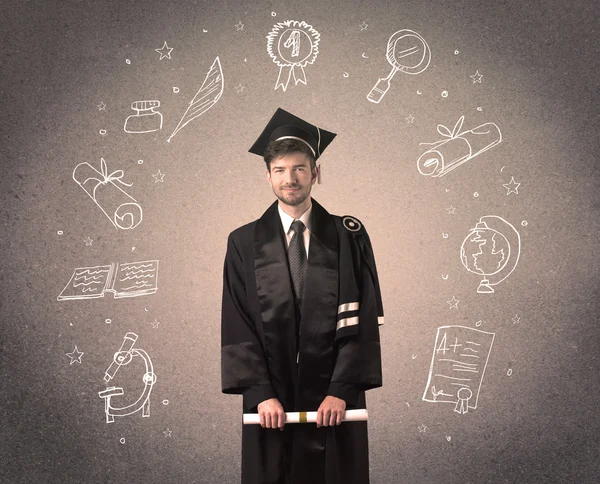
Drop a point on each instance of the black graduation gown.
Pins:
(337, 356)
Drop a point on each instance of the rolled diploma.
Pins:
(359, 414)
(120, 207)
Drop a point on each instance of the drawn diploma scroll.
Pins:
(124, 280)
(206, 97)
(356, 415)
(121, 358)
(460, 356)
(104, 189)
(457, 148)
(292, 45)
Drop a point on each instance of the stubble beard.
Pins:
(294, 199)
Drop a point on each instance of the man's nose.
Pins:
(290, 177)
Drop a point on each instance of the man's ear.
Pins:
(315, 174)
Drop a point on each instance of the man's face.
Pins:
(291, 178)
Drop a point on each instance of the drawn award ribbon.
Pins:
(292, 45)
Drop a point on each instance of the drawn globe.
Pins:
(484, 251)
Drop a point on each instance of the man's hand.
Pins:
(331, 411)
(271, 414)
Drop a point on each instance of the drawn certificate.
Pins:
(460, 356)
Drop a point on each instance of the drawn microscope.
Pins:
(123, 357)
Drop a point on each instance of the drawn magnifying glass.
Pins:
(408, 52)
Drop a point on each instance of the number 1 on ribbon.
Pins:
(293, 41)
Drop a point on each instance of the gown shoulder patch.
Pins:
(352, 224)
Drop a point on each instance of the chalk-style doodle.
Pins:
(460, 356)
(128, 61)
(101, 106)
(292, 45)
(206, 97)
(146, 118)
(407, 52)
(509, 372)
(364, 56)
(524, 223)
(167, 432)
(410, 119)
(123, 357)
(346, 75)
(451, 209)
(88, 241)
(164, 51)
(363, 26)
(123, 280)
(122, 440)
(422, 428)
(239, 89)
(478, 323)
(102, 187)
(155, 323)
(457, 147)
(59, 232)
(444, 93)
(445, 235)
(75, 356)
(102, 132)
(456, 52)
(108, 320)
(479, 108)
(239, 26)
(491, 249)
(516, 319)
(445, 277)
(165, 402)
(158, 177)
(476, 77)
(453, 303)
(512, 186)
(476, 194)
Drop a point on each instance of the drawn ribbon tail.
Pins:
(289, 71)
(121, 208)
(462, 405)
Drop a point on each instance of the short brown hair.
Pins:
(278, 148)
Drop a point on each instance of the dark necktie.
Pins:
(297, 258)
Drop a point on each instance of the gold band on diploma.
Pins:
(302, 417)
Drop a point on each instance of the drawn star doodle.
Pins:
(451, 209)
(239, 88)
(476, 77)
(453, 303)
(101, 106)
(239, 26)
(410, 119)
(158, 177)
(75, 356)
(155, 323)
(363, 26)
(422, 428)
(164, 51)
(516, 319)
(512, 186)
(167, 432)
(88, 241)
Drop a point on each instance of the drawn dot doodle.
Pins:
(509, 372)
(108, 320)
(273, 14)
(476, 194)
(60, 232)
(102, 132)
(175, 89)
(524, 223)
(128, 61)
(444, 93)
(165, 402)
(448, 438)
(456, 52)
(444, 235)
(140, 162)
(479, 108)
(122, 440)
(345, 74)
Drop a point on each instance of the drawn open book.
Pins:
(123, 280)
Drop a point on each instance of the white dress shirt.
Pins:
(287, 220)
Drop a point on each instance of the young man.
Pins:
(300, 315)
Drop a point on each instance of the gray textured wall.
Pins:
(536, 418)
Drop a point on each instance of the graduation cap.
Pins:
(284, 125)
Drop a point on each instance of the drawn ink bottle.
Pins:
(146, 120)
